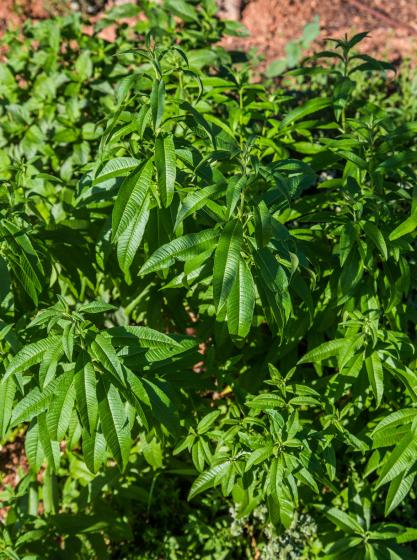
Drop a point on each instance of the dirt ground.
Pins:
(392, 24)
(272, 23)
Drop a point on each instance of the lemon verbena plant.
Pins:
(207, 297)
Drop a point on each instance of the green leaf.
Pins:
(94, 450)
(205, 423)
(226, 262)
(131, 197)
(50, 447)
(208, 479)
(33, 447)
(146, 337)
(398, 490)
(326, 350)
(85, 390)
(33, 404)
(400, 460)
(377, 238)
(233, 192)
(258, 456)
(311, 106)
(183, 9)
(194, 201)
(157, 101)
(182, 248)
(165, 161)
(342, 520)
(117, 167)
(241, 302)
(59, 414)
(375, 375)
(397, 418)
(263, 224)
(29, 355)
(102, 351)
(129, 241)
(96, 307)
(114, 422)
(7, 394)
(408, 226)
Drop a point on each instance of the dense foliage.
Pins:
(207, 285)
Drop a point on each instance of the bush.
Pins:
(207, 297)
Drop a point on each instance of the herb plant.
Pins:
(207, 316)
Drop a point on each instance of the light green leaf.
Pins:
(375, 375)
(59, 414)
(157, 100)
(194, 201)
(117, 167)
(33, 404)
(94, 450)
(398, 490)
(7, 394)
(102, 351)
(33, 447)
(311, 106)
(96, 307)
(397, 418)
(342, 520)
(208, 479)
(205, 423)
(226, 262)
(234, 189)
(131, 197)
(408, 226)
(85, 390)
(326, 350)
(182, 248)
(114, 422)
(29, 355)
(129, 241)
(375, 235)
(165, 162)
(401, 459)
(241, 302)
(50, 447)
(144, 336)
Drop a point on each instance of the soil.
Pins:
(392, 24)
(13, 464)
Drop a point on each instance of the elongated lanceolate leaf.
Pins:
(131, 196)
(208, 479)
(114, 422)
(29, 355)
(226, 262)
(196, 200)
(144, 336)
(101, 349)
(241, 302)
(129, 241)
(165, 167)
(117, 167)
(182, 248)
(375, 375)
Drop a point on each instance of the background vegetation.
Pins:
(207, 317)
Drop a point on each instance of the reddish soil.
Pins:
(392, 24)
(13, 465)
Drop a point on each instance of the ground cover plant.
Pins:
(207, 296)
